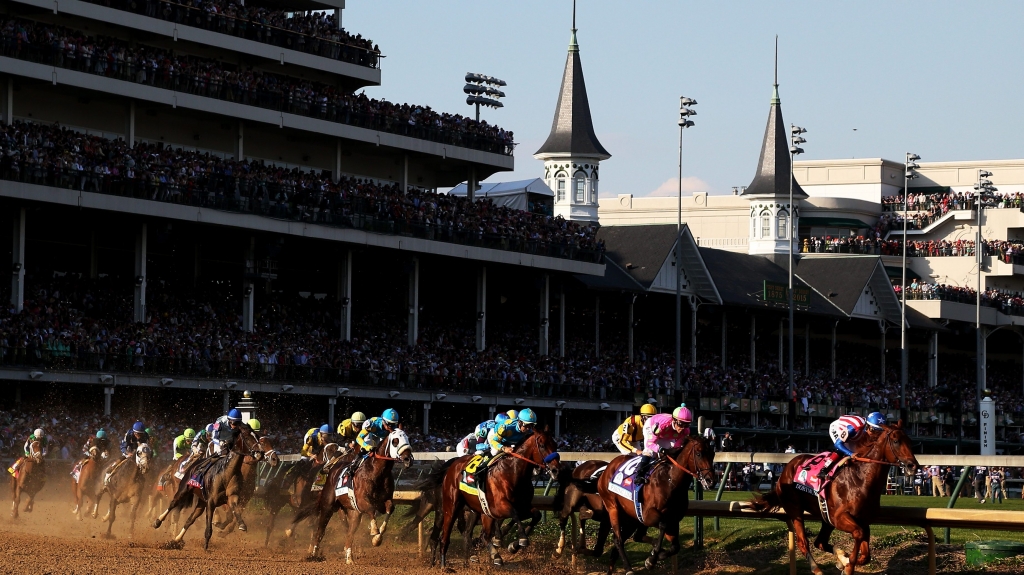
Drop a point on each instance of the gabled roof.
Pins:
(495, 189)
(642, 252)
(572, 130)
(773, 166)
(614, 279)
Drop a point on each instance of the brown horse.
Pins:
(853, 497)
(508, 491)
(250, 465)
(125, 481)
(219, 483)
(665, 498)
(371, 489)
(29, 479)
(579, 495)
(293, 486)
(87, 487)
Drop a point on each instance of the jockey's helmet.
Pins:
(390, 416)
(682, 413)
(189, 434)
(210, 428)
(358, 418)
(875, 420)
(512, 414)
(648, 410)
(500, 419)
(139, 427)
(234, 415)
(528, 417)
(325, 428)
(149, 431)
(38, 433)
(254, 424)
(101, 434)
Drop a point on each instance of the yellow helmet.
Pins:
(648, 409)
(358, 418)
(512, 414)
(254, 424)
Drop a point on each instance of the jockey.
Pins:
(101, 442)
(153, 441)
(44, 444)
(183, 443)
(629, 437)
(131, 440)
(223, 431)
(849, 427)
(202, 439)
(349, 429)
(376, 429)
(663, 431)
(315, 440)
(480, 438)
(513, 432)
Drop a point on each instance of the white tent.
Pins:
(515, 195)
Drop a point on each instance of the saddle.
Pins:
(321, 475)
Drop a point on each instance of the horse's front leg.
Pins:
(353, 517)
(488, 535)
(652, 559)
(522, 541)
(797, 526)
(620, 544)
(821, 542)
(389, 508)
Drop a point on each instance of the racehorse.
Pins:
(125, 482)
(213, 482)
(293, 487)
(29, 479)
(250, 465)
(87, 486)
(853, 497)
(508, 492)
(370, 490)
(664, 497)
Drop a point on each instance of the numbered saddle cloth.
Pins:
(76, 471)
(623, 483)
(196, 479)
(470, 481)
(180, 473)
(807, 474)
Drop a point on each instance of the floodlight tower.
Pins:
(483, 91)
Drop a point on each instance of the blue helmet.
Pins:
(528, 416)
(390, 416)
(234, 415)
(210, 428)
(875, 420)
(101, 434)
(325, 428)
(500, 419)
(139, 427)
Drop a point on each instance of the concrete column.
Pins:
(693, 331)
(561, 320)
(753, 342)
(782, 361)
(248, 287)
(140, 274)
(94, 264)
(481, 309)
(597, 326)
(9, 102)
(337, 17)
(491, 410)
(426, 417)
(807, 350)
(240, 143)
(471, 184)
(882, 328)
(835, 326)
(982, 360)
(933, 359)
(337, 162)
(331, 402)
(414, 302)
(227, 401)
(545, 300)
(18, 261)
(107, 393)
(129, 131)
(345, 294)
(558, 423)
(629, 329)
(405, 173)
(725, 339)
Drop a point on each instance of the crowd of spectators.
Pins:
(925, 208)
(1010, 303)
(57, 156)
(172, 70)
(312, 32)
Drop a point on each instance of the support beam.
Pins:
(558, 423)
(597, 326)
(414, 302)
(197, 262)
(107, 393)
(249, 287)
(129, 131)
(835, 326)
(405, 173)
(331, 403)
(883, 328)
(240, 143)
(336, 176)
(753, 342)
(632, 301)
(982, 360)
(9, 102)
(725, 339)
(426, 418)
(481, 309)
(693, 332)
(94, 264)
(933, 359)
(545, 302)
(345, 294)
(471, 184)
(807, 350)
(18, 261)
(782, 350)
(337, 17)
(561, 320)
(140, 274)
(227, 401)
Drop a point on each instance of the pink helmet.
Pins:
(683, 413)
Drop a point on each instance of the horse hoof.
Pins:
(512, 547)
(376, 540)
(242, 527)
(156, 524)
(649, 563)
(287, 532)
(172, 544)
(524, 542)
(498, 562)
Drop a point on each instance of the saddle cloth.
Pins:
(624, 484)
(180, 473)
(806, 478)
(76, 471)
(195, 479)
(471, 480)
(111, 470)
(321, 476)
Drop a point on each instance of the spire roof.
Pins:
(572, 130)
(773, 167)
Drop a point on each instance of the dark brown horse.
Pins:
(371, 489)
(665, 498)
(293, 486)
(579, 495)
(87, 488)
(126, 482)
(507, 489)
(250, 466)
(220, 483)
(29, 479)
(853, 497)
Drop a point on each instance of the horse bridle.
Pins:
(891, 444)
(253, 449)
(699, 475)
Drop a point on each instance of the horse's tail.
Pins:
(307, 511)
(434, 478)
(766, 502)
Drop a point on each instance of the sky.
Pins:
(866, 79)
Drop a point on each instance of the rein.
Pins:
(526, 459)
(889, 442)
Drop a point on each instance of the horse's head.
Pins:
(93, 451)
(142, 456)
(541, 449)
(398, 447)
(35, 451)
(329, 452)
(269, 454)
(895, 446)
(246, 443)
(696, 457)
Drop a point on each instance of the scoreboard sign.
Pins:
(775, 292)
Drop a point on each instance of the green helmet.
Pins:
(149, 431)
(190, 434)
(254, 424)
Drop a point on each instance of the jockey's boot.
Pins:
(641, 470)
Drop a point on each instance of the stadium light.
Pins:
(684, 122)
(483, 90)
(909, 173)
(982, 190)
(794, 150)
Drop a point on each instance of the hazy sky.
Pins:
(867, 79)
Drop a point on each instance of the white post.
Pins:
(782, 334)
(227, 401)
(632, 300)
(471, 184)
(9, 108)
(107, 392)
(426, 417)
(987, 425)
(933, 360)
(405, 173)
(414, 302)
(481, 309)
(240, 144)
(337, 162)
(331, 402)
(558, 423)
(835, 326)
(725, 338)
(807, 350)
(693, 332)
(130, 131)
(18, 261)
(140, 275)
(248, 287)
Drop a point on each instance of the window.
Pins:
(581, 190)
(783, 224)
(766, 226)
(560, 195)
(593, 191)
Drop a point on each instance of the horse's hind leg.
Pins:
(797, 525)
(197, 510)
(111, 515)
(620, 544)
(354, 518)
(822, 540)
(322, 519)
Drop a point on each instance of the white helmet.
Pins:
(358, 418)
(38, 433)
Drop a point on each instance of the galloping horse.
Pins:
(664, 497)
(507, 490)
(294, 486)
(250, 465)
(219, 482)
(87, 486)
(853, 498)
(125, 481)
(29, 479)
(369, 491)
(578, 492)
